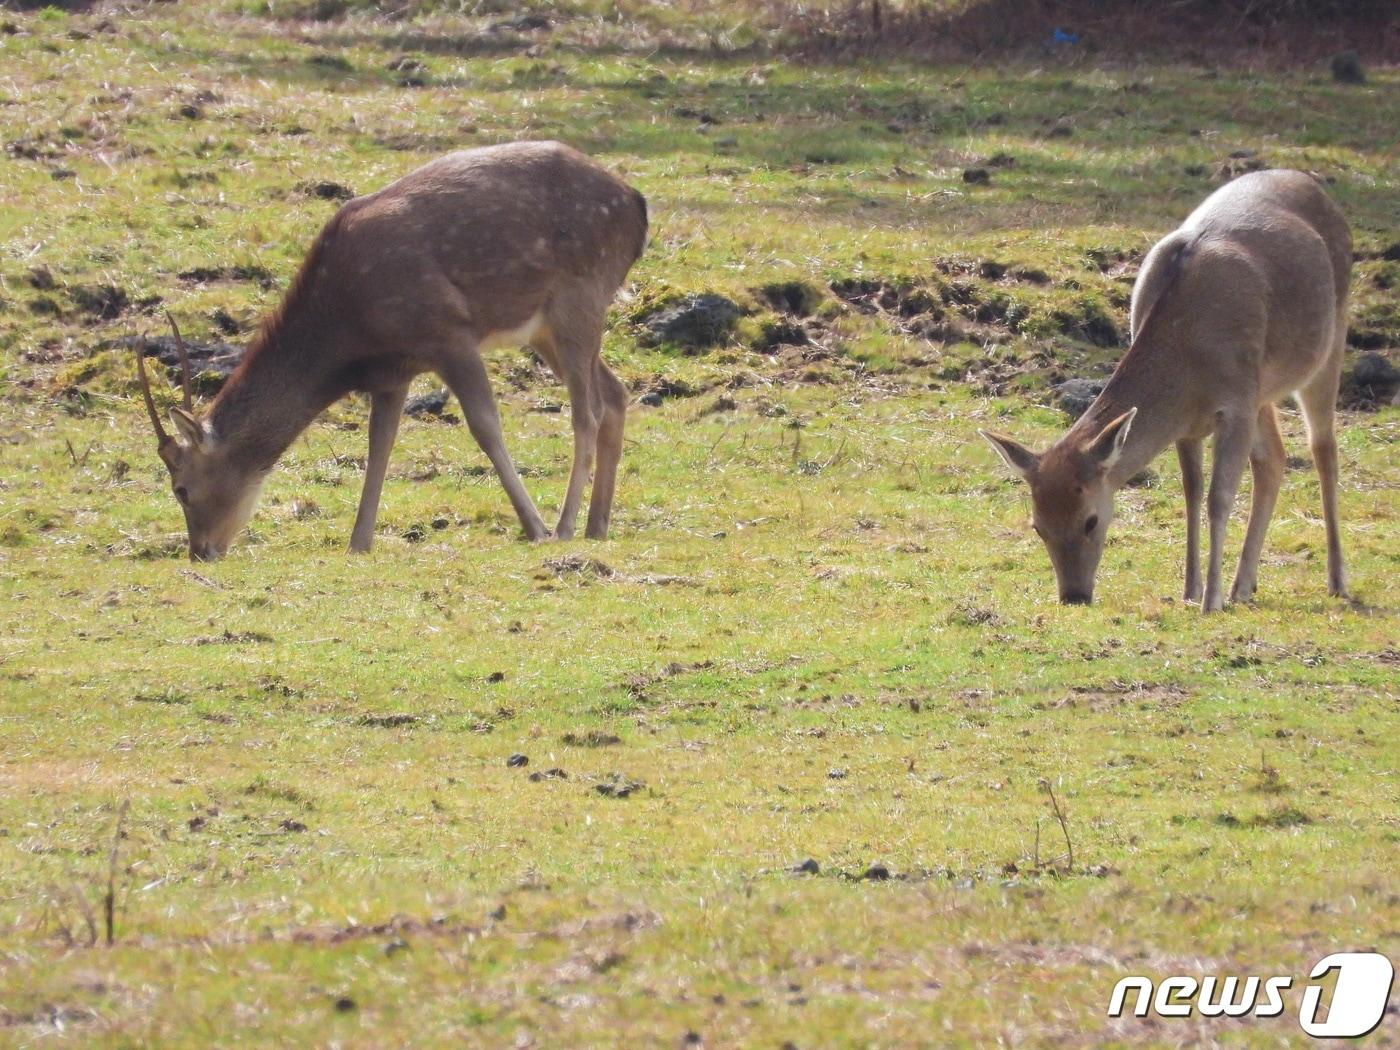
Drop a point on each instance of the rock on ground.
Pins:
(429, 404)
(1373, 381)
(693, 323)
(1076, 395)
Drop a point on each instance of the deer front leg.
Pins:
(1234, 436)
(385, 408)
(1188, 453)
(1266, 463)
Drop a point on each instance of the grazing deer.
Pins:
(523, 243)
(1242, 305)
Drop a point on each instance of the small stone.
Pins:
(344, 1005)
(517, 760)
(977, 176)
(876, 873)
(496, 676)
(1075, 396)
(806, 867)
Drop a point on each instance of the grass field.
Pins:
(822, 630)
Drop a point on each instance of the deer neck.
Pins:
(286, 380)
(1159, 398)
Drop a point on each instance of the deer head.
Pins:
(1072, 499)
(216, 493)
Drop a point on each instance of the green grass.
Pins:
(822, 629)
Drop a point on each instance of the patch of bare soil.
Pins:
(639, 684)
(1116, 694)
(399, 926)
(56, 1016)
(1257, 32)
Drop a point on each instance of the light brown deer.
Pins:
(525, 243)
(1242, 305)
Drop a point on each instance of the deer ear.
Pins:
(1108, 445)
(1015, 455)
(190, 428)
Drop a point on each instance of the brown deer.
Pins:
(1242, 305)
(525, 243)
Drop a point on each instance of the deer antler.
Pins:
(185, 378)
(161, 435)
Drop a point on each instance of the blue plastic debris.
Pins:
(1062, 36)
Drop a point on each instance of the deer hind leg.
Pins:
(1188, 453)
(1319, 401)
(385, 409)
(1266, 463)
(612, 412)
(1234, 437)
(571, 354)
(465, 374)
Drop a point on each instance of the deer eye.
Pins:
(182, 494)
(1091, 524)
